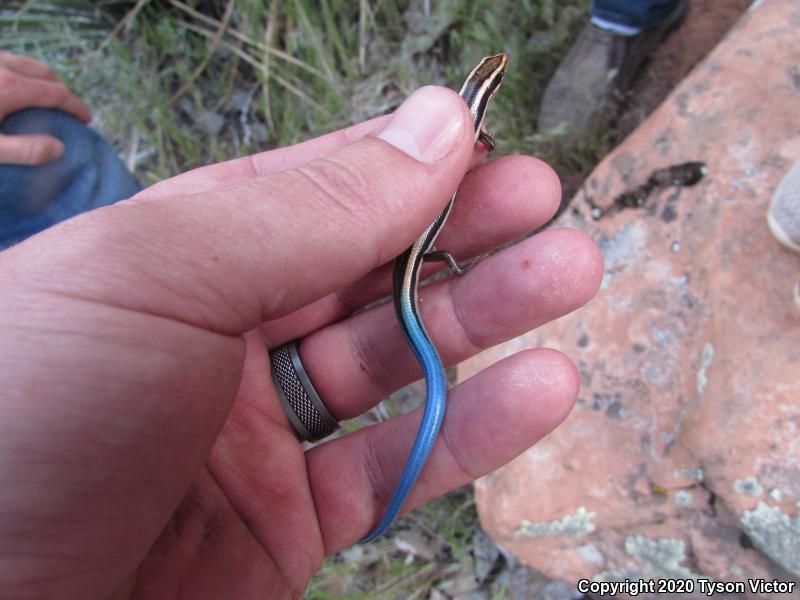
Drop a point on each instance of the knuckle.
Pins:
(371, 355)
(22, 153)
(462, 466)
(348, 186)
(32, 153)
(57, 92)
(47, 71)
(463, 324)
(378, 481)
(7, 77)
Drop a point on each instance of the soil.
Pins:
(705, 25)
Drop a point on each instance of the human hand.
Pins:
(144, 451)
(27, 83)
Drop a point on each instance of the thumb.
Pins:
(29, 149)
(229, 258)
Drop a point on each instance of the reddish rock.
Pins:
(682, 456)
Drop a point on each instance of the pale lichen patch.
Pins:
(706, 359)
(692, 473)
(656, 558)
(572, 525)
(775, 533)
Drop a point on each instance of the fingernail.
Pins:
(426, 126)
(53, 150)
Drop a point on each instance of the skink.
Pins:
(477, 91)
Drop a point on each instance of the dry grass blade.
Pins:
(362, 36)
(223, 26)
(31, 11)
(257, 64)
(121, 24)
(335, 39)
(422, 524)
(18, 15)
(423, 574)
(239, 36)
(270, 38)
(322, 54)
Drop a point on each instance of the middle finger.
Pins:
(497, 202)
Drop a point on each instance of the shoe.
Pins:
(600, 67)
(783, 216)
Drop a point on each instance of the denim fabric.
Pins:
(638, 14)
(87, 176)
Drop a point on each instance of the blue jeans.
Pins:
(87, 176)
(637, 14)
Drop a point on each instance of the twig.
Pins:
(246, 131)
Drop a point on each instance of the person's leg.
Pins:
(604, 60)
(632, 15)
(87, 176)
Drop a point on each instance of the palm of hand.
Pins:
(139, 380)
(248, 522)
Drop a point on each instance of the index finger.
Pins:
(27, 92)
(229, 259)
(212, 177)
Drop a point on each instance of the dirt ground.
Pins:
(706, 23)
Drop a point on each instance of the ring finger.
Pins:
(356, 362)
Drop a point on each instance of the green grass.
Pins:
(158, 73)
(431, 548)
(281, 72)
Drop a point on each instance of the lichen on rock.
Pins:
(574, 525)
(776, 533)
